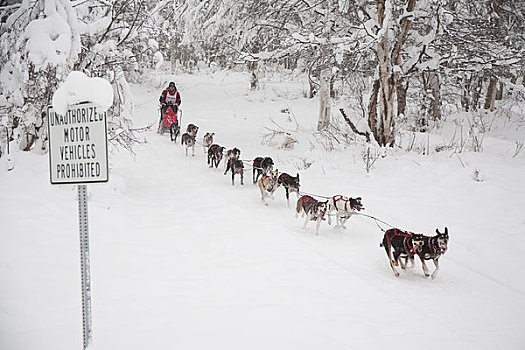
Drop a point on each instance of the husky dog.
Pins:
(405, 245)
(231, 155)
(314, 210)
(215, 155)
(237, 167)
(192, 129)
(189, 141)
(433, 248)
(290, 183)
(207, 141)
(261, 166)
(268, 184)
(344, 208)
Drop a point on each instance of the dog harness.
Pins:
(409, 248)
(308, 199)
(344, 199)
(285, 179)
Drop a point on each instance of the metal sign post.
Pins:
(78, 155)
(84, 264)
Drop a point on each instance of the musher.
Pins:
(170, 97)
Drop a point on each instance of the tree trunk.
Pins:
(477, 85)
(254, 82)
(388, 56)
(490, 98)
(372, 108)
(435, 88)
(324, 99)
(499, 94)
(402, 87)
(465, 92)
(173, 55)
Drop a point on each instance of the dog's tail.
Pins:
(299, 206)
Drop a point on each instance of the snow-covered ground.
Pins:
(181, 259)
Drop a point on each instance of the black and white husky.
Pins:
(433, 248)
(231, 156)
(261, 166)
(188, 140)
(344, 208)
(290, 183)
(401, 245)
(313, 209)
(237, 167)
(215, 155)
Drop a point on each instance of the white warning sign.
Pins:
(78, 151)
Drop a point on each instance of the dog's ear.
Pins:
(446, 230)
(297, 176)
(437, 231)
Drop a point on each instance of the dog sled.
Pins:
(170, 121)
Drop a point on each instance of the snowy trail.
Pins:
(180, 258)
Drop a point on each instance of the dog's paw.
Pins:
(396, 274)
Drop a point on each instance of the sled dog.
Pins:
(231, 155)
(268, 184)
(344, 208)
(290, 184)
(207, 141)
(215, 155)
(313, 209)
(192, 129)
(404, 244)
(261, 166)
(433, 248)
(188, 140)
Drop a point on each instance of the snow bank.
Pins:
(78, 87)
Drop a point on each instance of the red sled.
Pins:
(170, 123)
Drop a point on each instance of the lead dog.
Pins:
(215, 155)
(188, 140)
(312, 208)
(344, 208)
(268, 184)
(261, 166)
(207, 141)
(290, 183)
(404, 244)
(231, 155)
(433, 248)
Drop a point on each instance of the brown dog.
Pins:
(268, 184)
(207, 141)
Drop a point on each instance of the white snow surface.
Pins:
(181, 259)
(78, 87)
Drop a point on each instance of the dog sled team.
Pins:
(401, 246)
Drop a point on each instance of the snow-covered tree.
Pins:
(40, 42)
